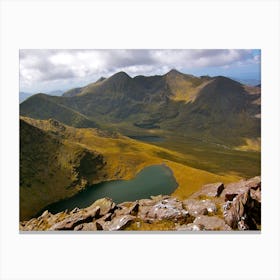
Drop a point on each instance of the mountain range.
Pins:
(24, 95)
(58, 161)
(215, 108)
(207, 129)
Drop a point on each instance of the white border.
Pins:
(135, 24)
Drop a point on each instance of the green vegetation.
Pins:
(51, 168)
(210, 127)
(83, 156)
(42, 106)
(217, 109)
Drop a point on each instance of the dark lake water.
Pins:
(152, 180)
(147, 138)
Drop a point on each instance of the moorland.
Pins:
(205, 129)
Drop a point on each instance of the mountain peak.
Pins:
(100, 79)
(225, 80)
(121, 74)
(174, 72)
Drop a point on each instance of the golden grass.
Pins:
(161, 225)
(250, 145)
(125, 157)
(131, 156)
(190, 179)
(185, 89)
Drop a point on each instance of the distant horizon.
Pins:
(250, 79)
(52, 70)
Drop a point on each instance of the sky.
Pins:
(45, 70)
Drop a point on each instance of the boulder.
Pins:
(256, 194)
(106, 205)
(131, 209)
(168, 208)
(153, 200)
(209, 190)
(118, 223)
(243, 213)
(100, 223)
(86, 226)
(199, 207)
(191, 227)
(211, 223)
(241, 203)
(75, 210)
(231, 190)
(85, 216)
(45, 214)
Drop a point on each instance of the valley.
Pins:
(119, 158)
(203, 129)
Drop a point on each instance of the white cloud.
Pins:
(46, 69)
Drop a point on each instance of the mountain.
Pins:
(72, 92)
(216, 108)
(51, 167)
(221, 107)
(43, 106)
(57, 161)
(24, 95)
(55, 92)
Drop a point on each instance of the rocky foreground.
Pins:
(235, 206)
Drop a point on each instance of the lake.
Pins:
(152, 180)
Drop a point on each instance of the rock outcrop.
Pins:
(218, 207)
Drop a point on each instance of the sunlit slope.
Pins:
(61, 158)
(218, 109)
(42, 106)
(52, 167)
(222, 111)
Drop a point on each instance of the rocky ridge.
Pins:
(234, 206)
(216, 108)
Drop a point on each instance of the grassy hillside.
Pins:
(52, 167)
(210, 129)
(61, 168)
(43, 106)
(218, 109)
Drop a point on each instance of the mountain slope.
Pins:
(57, 161)
(43, 106)
(23, 96)
(222, 109)
(217, 108)
(51, 168)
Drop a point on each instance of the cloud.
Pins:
(45, 69)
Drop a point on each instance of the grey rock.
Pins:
(199, 207)
(71, 221)
(244, 211)
(234, 189)
(86, 227)
(75, 210)
(100, 223)
(211, 223)
(106, 205)
(191, 227)
(132, 209)
(118, 223)
(210, 190)
(45, 214)
(168, 208)
(256, 194)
